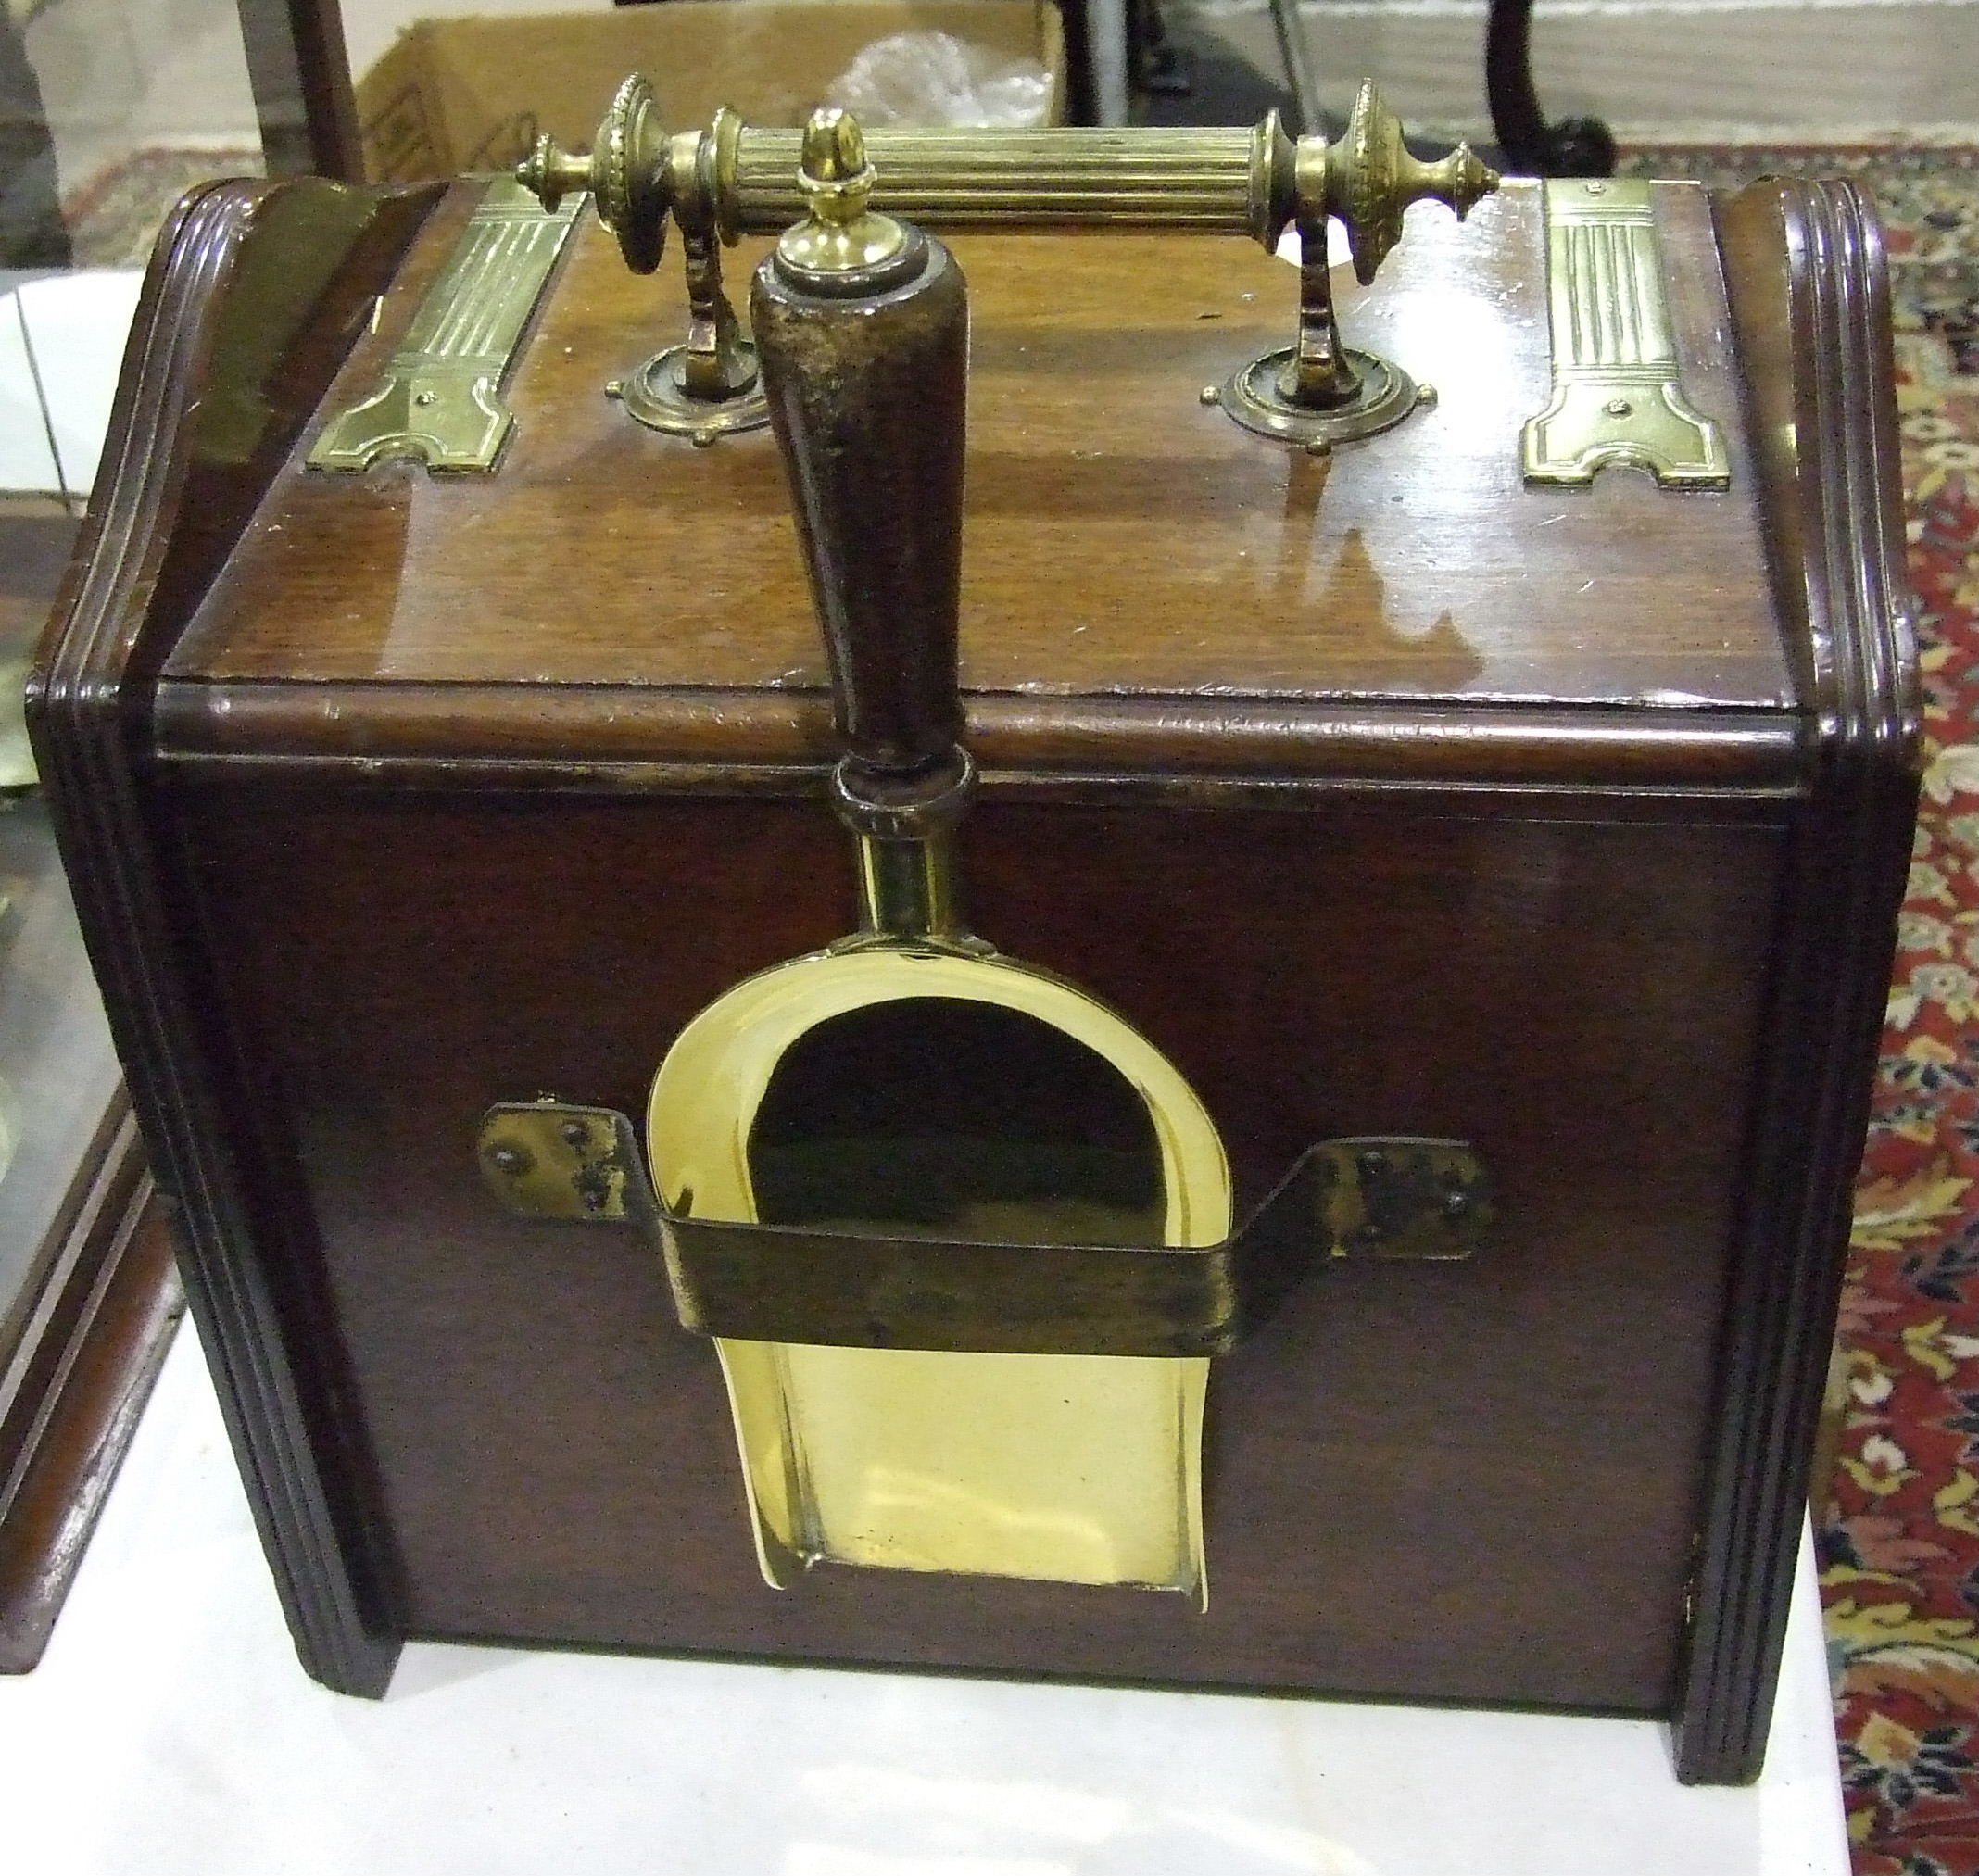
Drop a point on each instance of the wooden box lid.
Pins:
(1146, 586)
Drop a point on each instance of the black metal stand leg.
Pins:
(1160, 67)
(32, 230)
(1574, 146)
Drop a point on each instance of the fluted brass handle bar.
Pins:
(1215, 182)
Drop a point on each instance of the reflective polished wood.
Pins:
(1124, 542)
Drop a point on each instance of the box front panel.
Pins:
(1474, 1480)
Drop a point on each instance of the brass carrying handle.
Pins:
(731, 180)
(735, 179)
(862, 333)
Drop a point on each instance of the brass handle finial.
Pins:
(840, 236)
(551, 172)
(834, 171)
(1371, 179)
(625, 172)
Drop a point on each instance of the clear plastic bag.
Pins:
(928, 79)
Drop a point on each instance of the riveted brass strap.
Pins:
(1368, 1198)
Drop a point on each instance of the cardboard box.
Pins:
(452, 96)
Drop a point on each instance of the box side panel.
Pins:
(252, 296)
(400, 125)
(1471, 1481)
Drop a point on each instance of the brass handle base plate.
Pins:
(1384, 395)
(657, 396)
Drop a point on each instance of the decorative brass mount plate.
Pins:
(1616, 393)
(1374, 1197)
(439, 400)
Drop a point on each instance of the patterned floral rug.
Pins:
(1898, 1520)
(115, 217)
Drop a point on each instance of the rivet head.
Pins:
(512, 1160)
(704, 439)
(1372, 1164)
(1456, 1206)
(575, 1133)
(1619, 406)
(1319, 446)
(1209, 394)
(1426, 396)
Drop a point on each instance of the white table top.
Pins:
(170, 1730)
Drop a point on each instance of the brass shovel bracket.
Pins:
(1372, 1198)
(734, 179)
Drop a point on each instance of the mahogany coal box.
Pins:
(1385, 791)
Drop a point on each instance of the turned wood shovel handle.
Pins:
(862, 327)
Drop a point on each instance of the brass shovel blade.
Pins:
(1072, 1468)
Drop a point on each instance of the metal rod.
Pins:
(1299, 73)
(1107, 41)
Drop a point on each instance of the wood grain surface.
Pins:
(1122, 540)
(1454, 1481)
(253, 295)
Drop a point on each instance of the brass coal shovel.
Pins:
(911, 1080)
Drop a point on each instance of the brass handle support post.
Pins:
(732, 180)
